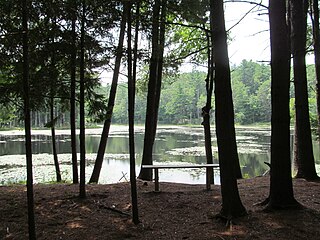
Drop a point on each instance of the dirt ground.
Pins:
(179, 211)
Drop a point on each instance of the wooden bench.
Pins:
(157, 167)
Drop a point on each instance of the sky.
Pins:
(250, 37)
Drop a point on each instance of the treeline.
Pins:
(183, 97)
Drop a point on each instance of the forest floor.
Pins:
(179, 211)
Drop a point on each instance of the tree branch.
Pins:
(188, 55)
(246, 14)
(190, 26)
(248, 2)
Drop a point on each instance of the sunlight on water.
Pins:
(174, 145)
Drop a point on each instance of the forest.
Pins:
(251, 96)
(183, 96)
(52, 57)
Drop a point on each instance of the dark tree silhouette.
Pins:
(281, 189)
(303, 154)
(73, 57)
(316, 47)
(131, 100)
(207, 108)
(113, 90)
(227, 149)
(27, 122)
(53, 119)
(82, 185)
(154, 85)
(53, 136)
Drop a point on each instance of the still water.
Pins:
(173, 145)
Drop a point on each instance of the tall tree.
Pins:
(316, 47)
(303, 154)
(207, 108)
(53, 121)
(82, 185)
(113, 90)
(27, 122)
(73, 58)
(131, 100)
(227, 149)
(154, 85)
(53, 90)
(281, 189)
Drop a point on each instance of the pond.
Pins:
(174, 145)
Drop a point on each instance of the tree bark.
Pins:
(162, 30)
(207, 108)
(155, 73)
(75, 176)
(131, 100)
(303, 158)
(316, 47)
(281, 189)
(227, 149)
(106, 127)
(53, 140)
(27, 121)
(53, 120)
(82, 185)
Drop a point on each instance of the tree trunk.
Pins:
(106, 127)
(54, 120)
(53, 140)
(281, 189)
(304, 159)
(131, 100)
(227, 149)
(75, 177)
(207, 108)
(316, 47)
(82, 185)
(150, 122)
(162, 30)
(27, 121)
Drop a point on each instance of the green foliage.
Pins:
(50, 44)
(7, 114)
(183, 95)
(251, 92)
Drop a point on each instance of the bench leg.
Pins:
(156, 180)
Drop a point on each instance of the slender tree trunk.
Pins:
(27, 122)
(54, 120)
(227, 149)
(316, 47)
(131, 100)
(281, 189)
(162, 31)
(53, 140)
(304, 159)
(82, 185)
(106, 127)
(207, 108)
(150, 122)
(75, 176)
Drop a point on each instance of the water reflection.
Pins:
(173, 145)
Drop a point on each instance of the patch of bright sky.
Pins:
(251, 37)
(249, 32)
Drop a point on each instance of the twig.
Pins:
(114, 210)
